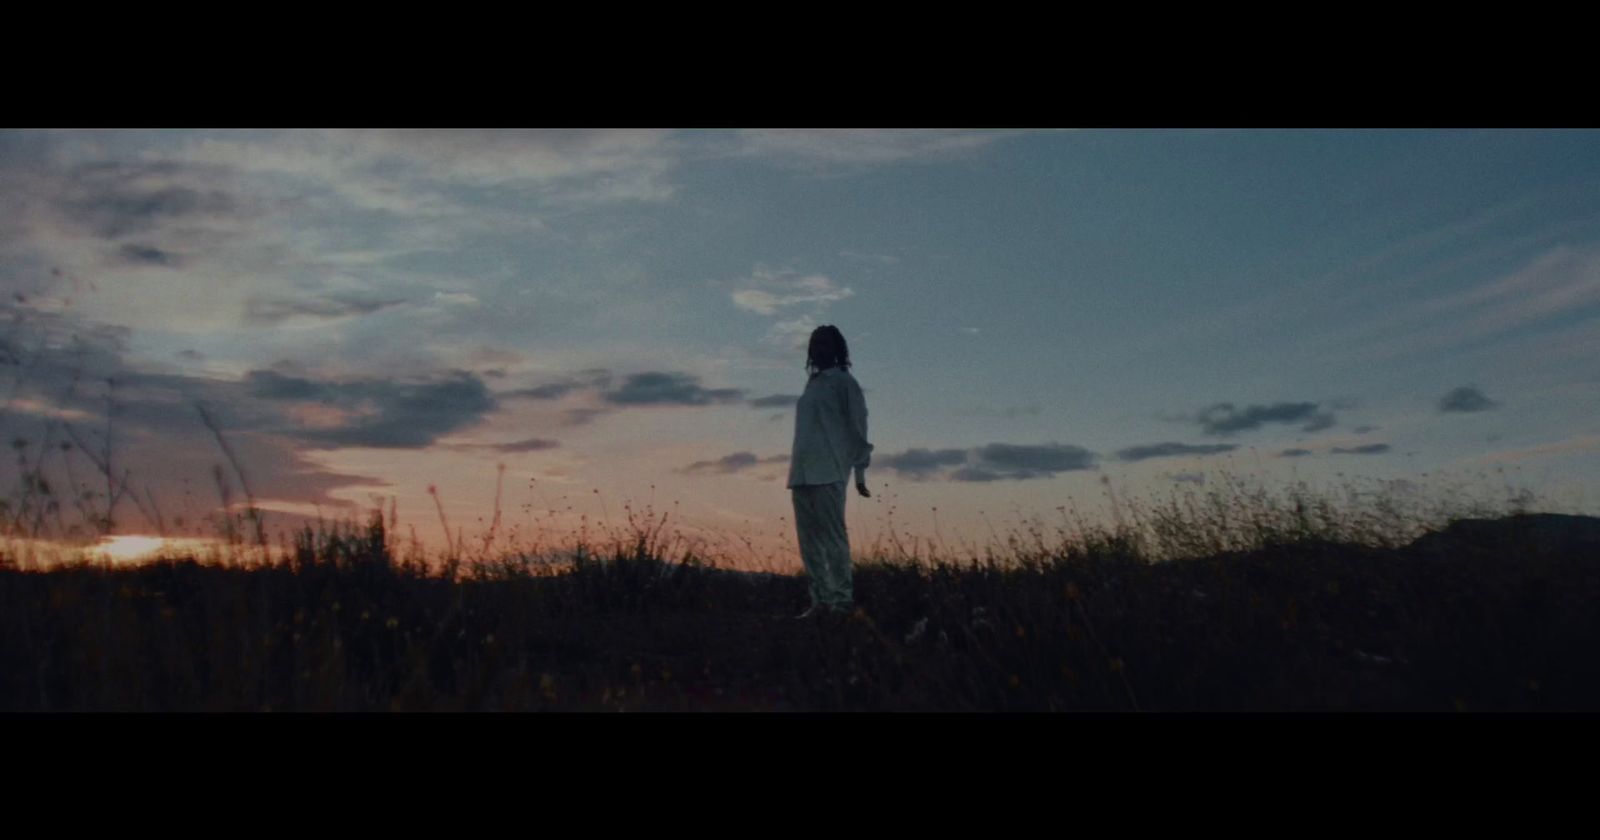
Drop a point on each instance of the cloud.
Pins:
(414, 171)
(733, 463)
(271, 312)
(1031, 459)
(159, 437)
(1168, 450)
(1294, 453)
(1561, 281)
(111, 199)
(511, 447)
(991, 462)
(593, 379)
(663, 388)
(771, 291)
(920, 462)
(1224, 419)
(1566, 447)
(775, 401)
(1465, 399)
(824, 149)
(552, 391)
(1369, 449)
(528, 445)
(793, 334)
(381, 413)
(149, 255)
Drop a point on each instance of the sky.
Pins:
(619, 318)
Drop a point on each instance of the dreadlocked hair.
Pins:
(827, 350)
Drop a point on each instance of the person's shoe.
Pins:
(841, 611)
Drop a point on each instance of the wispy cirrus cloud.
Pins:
(828, 149)
(275, 311)
(1568, 446)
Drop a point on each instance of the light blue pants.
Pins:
(824, 542)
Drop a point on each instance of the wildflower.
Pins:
(392, 623)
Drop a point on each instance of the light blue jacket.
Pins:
(830, 431)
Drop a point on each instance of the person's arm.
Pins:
(856, 417)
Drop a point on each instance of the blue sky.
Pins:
(375, 312)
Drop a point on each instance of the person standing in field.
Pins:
(830, 440)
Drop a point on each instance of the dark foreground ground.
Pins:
(1491, 616)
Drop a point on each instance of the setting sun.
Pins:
(128, 547)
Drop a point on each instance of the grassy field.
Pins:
(1230, 600)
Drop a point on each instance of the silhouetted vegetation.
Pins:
(1221, 602)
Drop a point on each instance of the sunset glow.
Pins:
(327, 322)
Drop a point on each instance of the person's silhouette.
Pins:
(830, 440)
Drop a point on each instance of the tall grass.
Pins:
(1233, 599)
